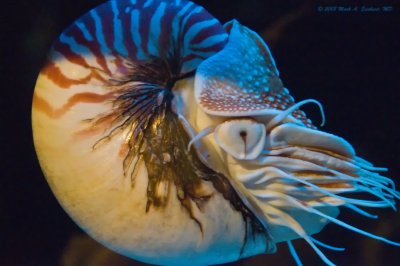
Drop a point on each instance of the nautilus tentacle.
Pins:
(302, 175)
(170, 138)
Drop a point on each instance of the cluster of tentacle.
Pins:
(141, 109)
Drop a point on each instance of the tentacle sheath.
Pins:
(301, 175)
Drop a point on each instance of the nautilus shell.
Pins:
(170, 138)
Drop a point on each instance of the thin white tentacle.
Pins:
(205, 132)
(280, 117)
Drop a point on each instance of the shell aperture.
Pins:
(131, 84)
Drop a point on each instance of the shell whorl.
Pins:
(178, 32)
(105, 98)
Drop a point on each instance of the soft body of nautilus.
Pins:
(170, 138)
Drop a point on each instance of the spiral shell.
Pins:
(169, 138)
(113, 149)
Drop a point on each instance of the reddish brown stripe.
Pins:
(164, 42)
(95, 75)
(214, 48)
(194, 18)
(118, 61)
(180, 37)
(107, 21)
(54, 73)
(207, 32)
(106, 18)
(126, 25)
(93, 46)
(85, 97)
(42, 105)
(66, 51)
(192, 56)
(140, 3)
(145, 18)
(76, 33)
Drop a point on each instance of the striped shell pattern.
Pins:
(169, 138)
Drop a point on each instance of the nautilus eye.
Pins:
(243, 139)
(171, 139)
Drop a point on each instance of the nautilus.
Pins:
(170, 138)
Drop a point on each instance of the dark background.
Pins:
(347, 60)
